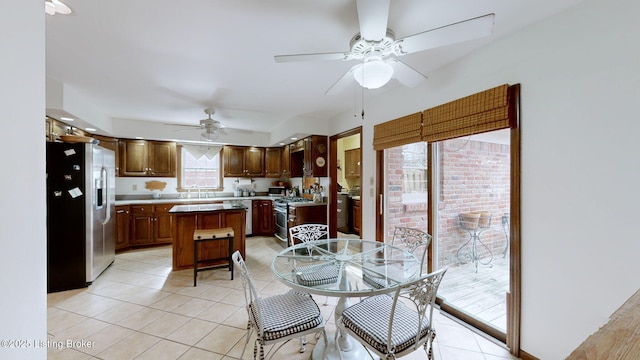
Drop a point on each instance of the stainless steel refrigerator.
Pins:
(80, 214)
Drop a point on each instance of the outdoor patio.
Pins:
(481, 294)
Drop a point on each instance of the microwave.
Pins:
(277, 191)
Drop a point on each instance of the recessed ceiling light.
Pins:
(282, 144)
(66, 119)
(139, 137)
(294, 138)
(90, 129)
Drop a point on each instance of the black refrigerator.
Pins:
(80, 214)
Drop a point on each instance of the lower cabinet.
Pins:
(262, 218)
(151, 225)
(357, 216)
(122, 227)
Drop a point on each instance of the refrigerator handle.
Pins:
(104, 172)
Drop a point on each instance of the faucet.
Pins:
(199, 193)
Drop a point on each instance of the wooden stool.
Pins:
(204, 235)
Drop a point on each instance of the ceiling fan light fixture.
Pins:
(210, 136)
(374, 73)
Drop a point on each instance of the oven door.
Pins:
(280, 214)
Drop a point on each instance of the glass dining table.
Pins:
(344, 268)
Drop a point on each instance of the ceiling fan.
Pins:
(377, 48)
(211, 128)
(53, 7)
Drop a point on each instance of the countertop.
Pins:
(189, 201)
(205, 208)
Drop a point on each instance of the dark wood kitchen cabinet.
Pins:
(272, 162)
(151, 224)
(243, 161)
(286, 154)
(309, 157)
(262, 218)
(357, 215)
(147, 158)
(122, 227)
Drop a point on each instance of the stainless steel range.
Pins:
(281, 214)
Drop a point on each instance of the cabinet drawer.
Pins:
(163, 208)
(141, 209)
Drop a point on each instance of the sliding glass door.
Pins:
(471, 230)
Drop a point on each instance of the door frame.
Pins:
(511, 337)
(333, 176)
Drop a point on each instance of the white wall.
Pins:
(23, 304)
(580, 74)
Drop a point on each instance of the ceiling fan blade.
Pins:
(61, 8)
(405, 74)
(372, 17)
(49, 8)
(446, 35)
(227, 130)
(311, 57)
(345, 81)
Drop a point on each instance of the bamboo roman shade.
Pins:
(481, 112)
(401, 131)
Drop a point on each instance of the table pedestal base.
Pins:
(356, 352)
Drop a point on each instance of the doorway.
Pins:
(345, 215)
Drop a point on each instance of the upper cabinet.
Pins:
(286, 160)
(352, 163)
(309, 157)
(147, 158)
(273, 162)
(242, 161)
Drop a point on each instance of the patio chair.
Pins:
(412, 240)
(278, 318)
(394, 326)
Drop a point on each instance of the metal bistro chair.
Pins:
(312, 275)
(278, 318)
(393, 327)
(412, 240)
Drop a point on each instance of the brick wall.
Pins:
(474, 176)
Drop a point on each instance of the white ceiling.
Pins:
(147, 61)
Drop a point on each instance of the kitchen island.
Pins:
(206, 216)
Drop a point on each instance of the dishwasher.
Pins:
(248, 205)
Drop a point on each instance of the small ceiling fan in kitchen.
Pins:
(211, 128)
(377, 49)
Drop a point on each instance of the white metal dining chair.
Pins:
(316, 274)
(278, 318)
(394, 326)
(412, 240)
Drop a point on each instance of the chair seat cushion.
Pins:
(369, 320)
(316, 275)
(373, 280)
(286, 314)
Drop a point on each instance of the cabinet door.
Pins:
(162, 158)
(142, 222)
(122, 227)
(352, 163)
(308, 157)
(262, 217)
(272, 162)
(254, 162)
(286, 153)
(357, 216)
(233, 161)
(164, 224)
(134, 158)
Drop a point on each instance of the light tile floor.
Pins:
(139, 309)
